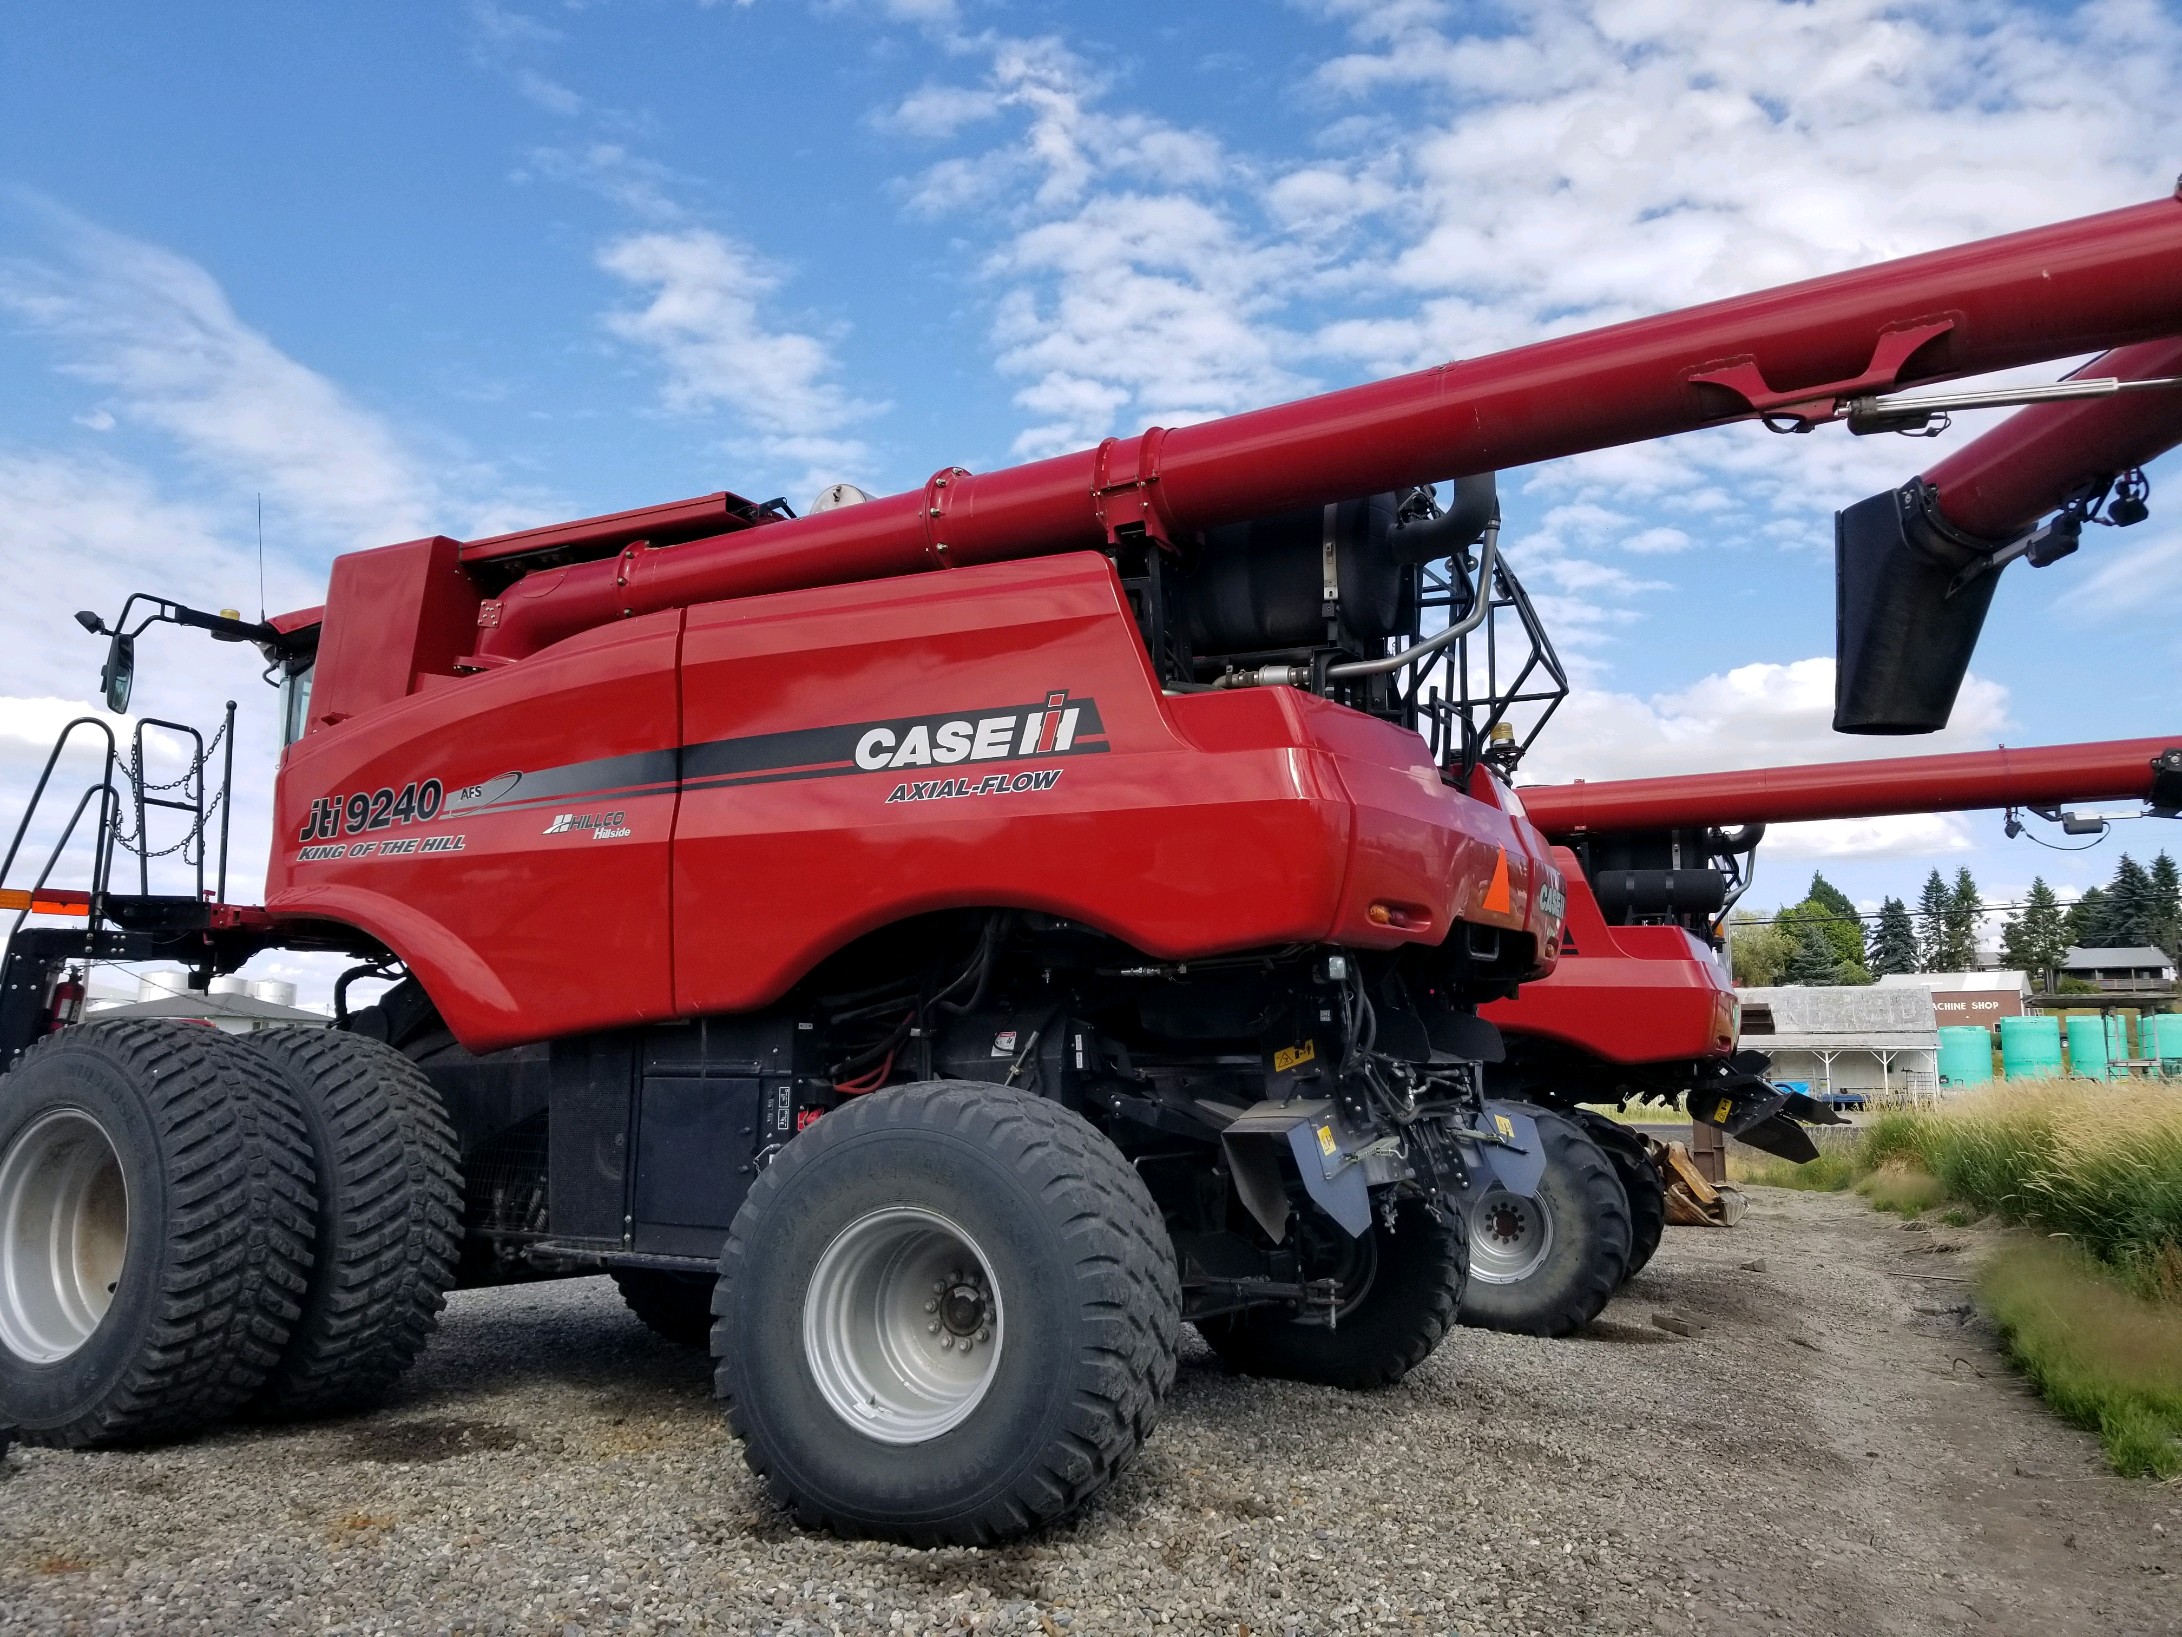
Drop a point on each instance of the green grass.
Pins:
(1908, 1190)
(2102, 1354)
(2098, 1163)
(2090, 1311)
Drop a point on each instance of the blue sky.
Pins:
(412, 268)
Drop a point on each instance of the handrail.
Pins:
(108, 815)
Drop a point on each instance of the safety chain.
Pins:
(203, 759)
(195, 833)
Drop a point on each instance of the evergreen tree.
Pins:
(1932, 906)
(1813, 960)
(1844, 926)
(1894, 943)
(2167, 905)
(2087, 920)
(2131, 907)
(2036, 938)
(1964, 910)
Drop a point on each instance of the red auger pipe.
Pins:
(2041, 776)
(2002, 483)
(1794, 352)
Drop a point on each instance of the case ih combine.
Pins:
(946, 940)
(1639, 1008)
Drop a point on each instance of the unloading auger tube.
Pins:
(1916, 567)
(1796, 356)
(2027, 776)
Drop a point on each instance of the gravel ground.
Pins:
(1832, 1448)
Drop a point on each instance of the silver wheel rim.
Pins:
(64, 1232)
(1510, 1237)
(902, 1325)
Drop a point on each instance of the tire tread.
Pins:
(1108, 1209)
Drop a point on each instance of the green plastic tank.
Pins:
(2030, 1048)
(1966, 1056)
(2163, 1039)
(2093, 1044)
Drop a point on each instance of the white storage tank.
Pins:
(159, 985)
(273, 991)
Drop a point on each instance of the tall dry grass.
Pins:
(2089, 1300)
(2100, 1163)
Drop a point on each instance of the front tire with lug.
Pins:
(1641, 1184)
(156, 1212)
(1548, 1265)
(948, 1315)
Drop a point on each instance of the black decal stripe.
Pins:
(762, 758)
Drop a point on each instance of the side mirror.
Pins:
(120, 672)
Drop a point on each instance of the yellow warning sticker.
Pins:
(1505, 1126)
(1325, 1141)
(1289, 1057)
(1720, 1114)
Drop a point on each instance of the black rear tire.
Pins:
(1641, 1184)
(389, 1214)
(1412, 1288)
(211, 1249)
(1063, 1252)
(674, 1306)
(1548, 1266)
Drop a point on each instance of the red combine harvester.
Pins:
(1639, 1008)
(938, 944)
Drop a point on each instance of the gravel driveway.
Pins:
(1831, 1449)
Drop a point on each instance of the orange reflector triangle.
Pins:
(1497, 901)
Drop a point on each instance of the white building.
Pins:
(1882, 1041)
(1961, 999)
(235, 1005)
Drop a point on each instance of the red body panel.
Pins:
(739, 738)
(2074, 287)
(1628, 994)
(2036, 776)
(2003, 482)
(517, 934)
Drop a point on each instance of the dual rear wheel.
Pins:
(194, 1226)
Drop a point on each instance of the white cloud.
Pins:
(1897, 835)
(703, 319)
(155, 331)
(2126, 574)
(1586, 161)
(1487, 176)
(1752, 716)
